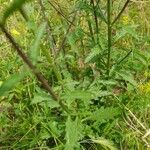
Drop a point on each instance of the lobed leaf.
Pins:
(73, 130)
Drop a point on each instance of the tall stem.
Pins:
(34, 69)
(109, 35)
(95, 18)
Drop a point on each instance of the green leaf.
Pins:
(102, 94)
(124, 31)
(107, 82)
(141, 57)
(70, 96)
(120, 35)
(101, 15)
(73, 131)
(10, 83)
(94, 53)
(105, 114)
(107, 144)
(43, 98)
(82, 5)
(34, 50)
(14, 6)
(128, 77)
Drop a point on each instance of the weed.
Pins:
(74, 75)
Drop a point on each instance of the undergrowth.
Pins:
(74, 75)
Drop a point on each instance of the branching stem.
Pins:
(109, 44)
(122, 10)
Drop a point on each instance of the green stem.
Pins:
(90, 28)
(109, 35)
(95, 18)
(126, 56)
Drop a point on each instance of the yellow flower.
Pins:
(145, 88)
(15, 32)
(125, 20)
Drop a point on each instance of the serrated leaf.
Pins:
(128, 77)
(73, 131)
(120, 35)
(70, 96)
(41, 98)
(102, 94)
(141, 57)
(34, 50)
(105, 143)
(105, 114)
(124, 31)
(10, 83)
(107, 82)
(94, 52)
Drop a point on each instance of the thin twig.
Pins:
(136, 119)
(126, 56)
(59, 12)
(61, 47)
(100, 12)
(122, 10)
(95, 16)
(132, 126)
(90, 28)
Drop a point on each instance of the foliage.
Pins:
(87, 82)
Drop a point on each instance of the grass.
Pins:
(74, 75)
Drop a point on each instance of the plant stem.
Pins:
(95, 18)
(48, 54)
(109, 44)
(90, 29)
(61, 47)
(34, 69)
(60, 13)
(126, 56)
